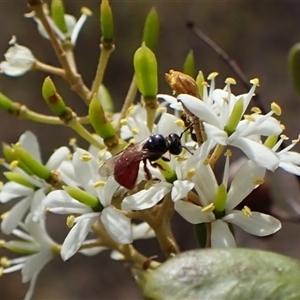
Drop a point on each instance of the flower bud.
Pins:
(6, 104)
(235, 116)
(294, 66)
(31, 163)
(52, 98)
(199, 82)
(189, 67)
(99, 121)
(105, 99)
(220, 198)
(145, 67)
(83, 197)
(18, 178)
(151, 30)
(106, 21)
(58, 15)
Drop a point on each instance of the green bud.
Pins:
(199, 81)
(106, 21)
(83, 197)
(31, 163)
(105, 98)
(18, 178)
(11, 156)
(271, 141)
(220, 198)
(151, 30)
(235, 116)
(145, 67)
(189, 66)
(294, 66)
(58, 15)
(99, 121)
(6, 104)
(52, 98)
(167, 171)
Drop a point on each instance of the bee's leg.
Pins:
(146, 170)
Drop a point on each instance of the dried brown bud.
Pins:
(181, 83)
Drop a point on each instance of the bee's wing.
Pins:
(126, 157)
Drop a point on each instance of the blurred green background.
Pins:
(256, 34)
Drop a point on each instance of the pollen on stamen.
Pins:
(85, 157)
(123, 121)
(4, 262)
(161, 109)
(179, 123)
(249, 118)
(255, 81)
(13, 164)
(228, 153)
(132, 141)
(256, 110)
(129, 111)
(2, 242)
(4, 215)
(276, 109)
(99, 183)
(208, 208)
(246, 211)
(230, 80)
(284, 137)
(70, 221)
(135, 131)
(72, 142)
(191, 173)
(258, 181)
(205, 83)
(85, 11)
(212, 75)
(282, 126)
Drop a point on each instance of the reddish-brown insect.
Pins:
(125, 165)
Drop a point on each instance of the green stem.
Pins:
(49, 69)
(103, 59)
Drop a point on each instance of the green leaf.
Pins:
(232, 274)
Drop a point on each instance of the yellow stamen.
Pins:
(85, 157)
(247, 211)
(123, 121)
(230, 80)
(208, 208)
(256, 110)
(255, 81)
(2, 242)
(212, 75)
(191, 173)
(132, 141)
(135, 131)
(228, 153)
(70, 221)
(276, 108)
(13, 164)
(129, 111)
(85, 11)
(4, 215)
(99, 184)
(249, 118)
(179, 123)
(72, 142)
(161, 109)
(258, 181)
(4, 262)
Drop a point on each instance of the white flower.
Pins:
(33, 239)
(206, 186)
(30, 198)
(116, 224)
(73, 26)
(19, 60)
(215, 111)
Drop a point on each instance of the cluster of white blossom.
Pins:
(99, 205)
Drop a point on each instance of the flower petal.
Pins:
(57, 158)
(181, 189)
(257, 224)
(30, 143)
(117, 225)
(146, 198)
(193, 213)
(221, 236)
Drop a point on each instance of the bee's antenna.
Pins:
(185, 130)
